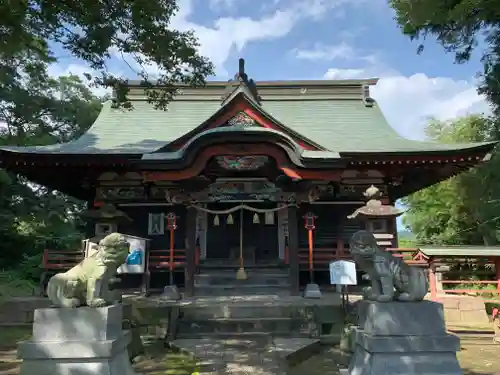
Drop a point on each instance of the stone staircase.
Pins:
(259, 306)
(246, 317)
(260, 281)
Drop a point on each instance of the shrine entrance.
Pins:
(236, 229)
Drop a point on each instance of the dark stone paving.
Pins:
(240, 356)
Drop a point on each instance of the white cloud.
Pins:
(227, 33)
(323, 52)
(231, 34)
(409, 101)
(78, 70)
(334, 74)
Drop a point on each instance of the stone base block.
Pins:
(364, 363)
(398, 338)
(312, 291)
(170, 292)
(464, 311)
(401, 318)
(82, 341)
(80, 324)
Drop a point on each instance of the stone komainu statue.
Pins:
(88, 282)
(391, 278)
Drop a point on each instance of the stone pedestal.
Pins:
(398, 338)
(82, 341)
(312, 291)
(171, 293)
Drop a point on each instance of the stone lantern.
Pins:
(374, 213)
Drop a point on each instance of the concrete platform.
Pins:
(237, 316)
(243, 300)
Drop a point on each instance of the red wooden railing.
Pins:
(438, 287)
(57, 260)
(494, 294)
(323, 256)
(160, 260)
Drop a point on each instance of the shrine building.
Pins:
(232, 174)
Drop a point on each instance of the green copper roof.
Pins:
(338, 124)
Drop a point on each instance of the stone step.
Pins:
(242, 310)
(225, 278)
(232, 335)
(281, 326)
(242, 290)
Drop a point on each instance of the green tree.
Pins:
(95, 31)
(460, 26)
(40, 112)
(462, 209)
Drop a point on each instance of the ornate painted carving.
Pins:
(241, 119)
(232, 191)
(119, 193)
(242, 163)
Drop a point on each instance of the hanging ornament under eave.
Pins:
(256, 219)
(216, 221)
(269, 218)
(230, 220)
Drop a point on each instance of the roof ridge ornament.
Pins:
(241, 80)
(367, 99)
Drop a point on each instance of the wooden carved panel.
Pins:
(120, 193)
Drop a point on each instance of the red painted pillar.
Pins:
(432, 280)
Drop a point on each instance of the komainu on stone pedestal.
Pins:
(391, 278)
(88, 282)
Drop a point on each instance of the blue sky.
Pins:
(328, 39)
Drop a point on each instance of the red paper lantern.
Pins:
(309, 221)
(171, 221)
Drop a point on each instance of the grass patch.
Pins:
(12, 285)
(10, 336)
(160, 360)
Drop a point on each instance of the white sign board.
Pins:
(343, 272)
(136, 259)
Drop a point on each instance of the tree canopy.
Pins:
(460, 26)
(39, 109)
(33, 32)
(464, 209)
(45, 111)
